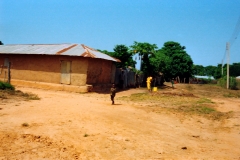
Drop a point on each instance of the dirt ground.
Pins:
(63, 125)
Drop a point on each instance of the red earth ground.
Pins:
(63, 125)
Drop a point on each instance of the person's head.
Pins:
(113, 85)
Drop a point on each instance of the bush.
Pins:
(5, 85)
(232, 82)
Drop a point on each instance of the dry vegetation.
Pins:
(8, 95)
(186, 99)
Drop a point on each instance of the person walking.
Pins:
(113, 93)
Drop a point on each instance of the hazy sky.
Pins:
(202, 26)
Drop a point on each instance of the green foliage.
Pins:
(218, 72)
(1, 43)
(210, 70)
(126, 57)
(232, 82)
(198, 70)
(234, 69)
(173, 61)
(145, 50)
(204, 100)
(5, 85)
(122, 53)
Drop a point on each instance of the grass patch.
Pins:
(189, 87)
(198, 109)
(31, 96)
(231, 95)
(204, 100)
(182, 101)
(17, 95)
(136, 97)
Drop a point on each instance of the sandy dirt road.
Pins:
(63, 125)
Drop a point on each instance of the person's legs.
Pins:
(148, 86)
(112, 99)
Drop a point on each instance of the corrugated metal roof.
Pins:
(55, 49)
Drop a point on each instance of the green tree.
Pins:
(210, 70)
(218, 72)
(234, 69)
(159, 62)
(145, 50)
(122, 53)
(179, 62)
(198, 70)
(1, 43)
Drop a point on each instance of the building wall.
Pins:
(44, 68)
(100, 71)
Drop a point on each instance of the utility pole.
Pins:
(228, 61)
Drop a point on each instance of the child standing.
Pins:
(112, 93)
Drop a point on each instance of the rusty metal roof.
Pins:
(55, 49)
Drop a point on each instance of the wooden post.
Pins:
(9, 72)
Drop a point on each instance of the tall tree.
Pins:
(210, 70)
(218, 71)
(234, 69)
(122, 53)
(145, 50)
(175, 61)
(199, 70)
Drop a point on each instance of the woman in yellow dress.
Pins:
(149, 79)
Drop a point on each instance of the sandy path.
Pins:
(66, 125)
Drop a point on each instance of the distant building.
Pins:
(74, 65)
(199, 79)
(204, 77)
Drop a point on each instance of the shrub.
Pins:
(232, 82)
(5, 85)
(238, 83)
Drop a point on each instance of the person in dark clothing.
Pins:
(113, 93)
(172, 81)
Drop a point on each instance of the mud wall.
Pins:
(43, 68)
(100, 72)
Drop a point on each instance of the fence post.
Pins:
(9, 72)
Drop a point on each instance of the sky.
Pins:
(202, 26)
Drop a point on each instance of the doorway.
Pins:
(66, 72)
